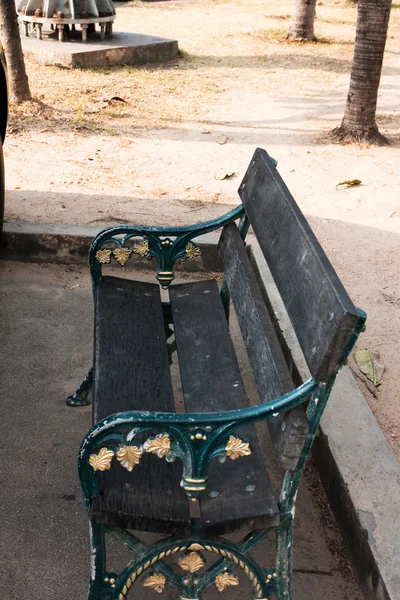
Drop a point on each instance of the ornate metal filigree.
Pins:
(156, 582)
(236, 448)
(142, 248)
(225, 580)
(241, 563)
(102, 460)
(192, 563)
(193, 251)
(122, 255)
(103, 256)
(129, 456)
(159, 445)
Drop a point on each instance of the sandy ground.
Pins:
(72, 157)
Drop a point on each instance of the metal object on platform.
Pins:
(63, 17)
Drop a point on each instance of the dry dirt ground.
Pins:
(75, 156)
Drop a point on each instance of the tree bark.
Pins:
(359, 118)
(302, 23)
(17, 77)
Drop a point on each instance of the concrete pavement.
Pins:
(46, 338)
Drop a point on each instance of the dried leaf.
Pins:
(349, 182)
(114, 99)
(222, 140)
(391, 299)
(368, 363)
(221, 176)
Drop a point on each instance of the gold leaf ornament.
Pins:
(192, 563)
(156, 582)
(103, 256)
(193, 251)
(142, 248)
(122, 255)
(102, 460)
(129, 456)
(236, 448)
(160, 446)
(225, 580)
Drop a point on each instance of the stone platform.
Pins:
(121, 48)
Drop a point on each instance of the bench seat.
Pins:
(132, 372)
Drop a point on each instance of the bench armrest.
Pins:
(115, 436)
(121, 241)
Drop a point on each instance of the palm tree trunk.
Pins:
(302, 23)
(19, 85)
(359, 118)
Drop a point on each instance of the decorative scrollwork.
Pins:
(129, 456)
(193, 251)
(192, 563)
(102, 460)
(122, 255)
(156, 582)
(236, 448)
(225, 580)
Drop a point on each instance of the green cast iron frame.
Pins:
(214, 429)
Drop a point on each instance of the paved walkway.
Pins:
(46, 336)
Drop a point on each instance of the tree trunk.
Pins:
(19, 85)
(359, 118)
(302, 23)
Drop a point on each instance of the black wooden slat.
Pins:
(270, 370)
(211, 382)
(131, 372)
(319, 307)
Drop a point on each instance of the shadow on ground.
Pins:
(46, 333)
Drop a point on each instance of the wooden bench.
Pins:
(144, 464)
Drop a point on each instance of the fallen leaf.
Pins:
(222, 140)
(115, 98)
(368, 384)
(349, 182)
(221, 176)
(368, 363)
(387, 297)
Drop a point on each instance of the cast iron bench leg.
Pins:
(98, 554)
(80, 398)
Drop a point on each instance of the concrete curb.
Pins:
(358, 469)
(61, 243)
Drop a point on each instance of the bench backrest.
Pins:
(322, 314)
